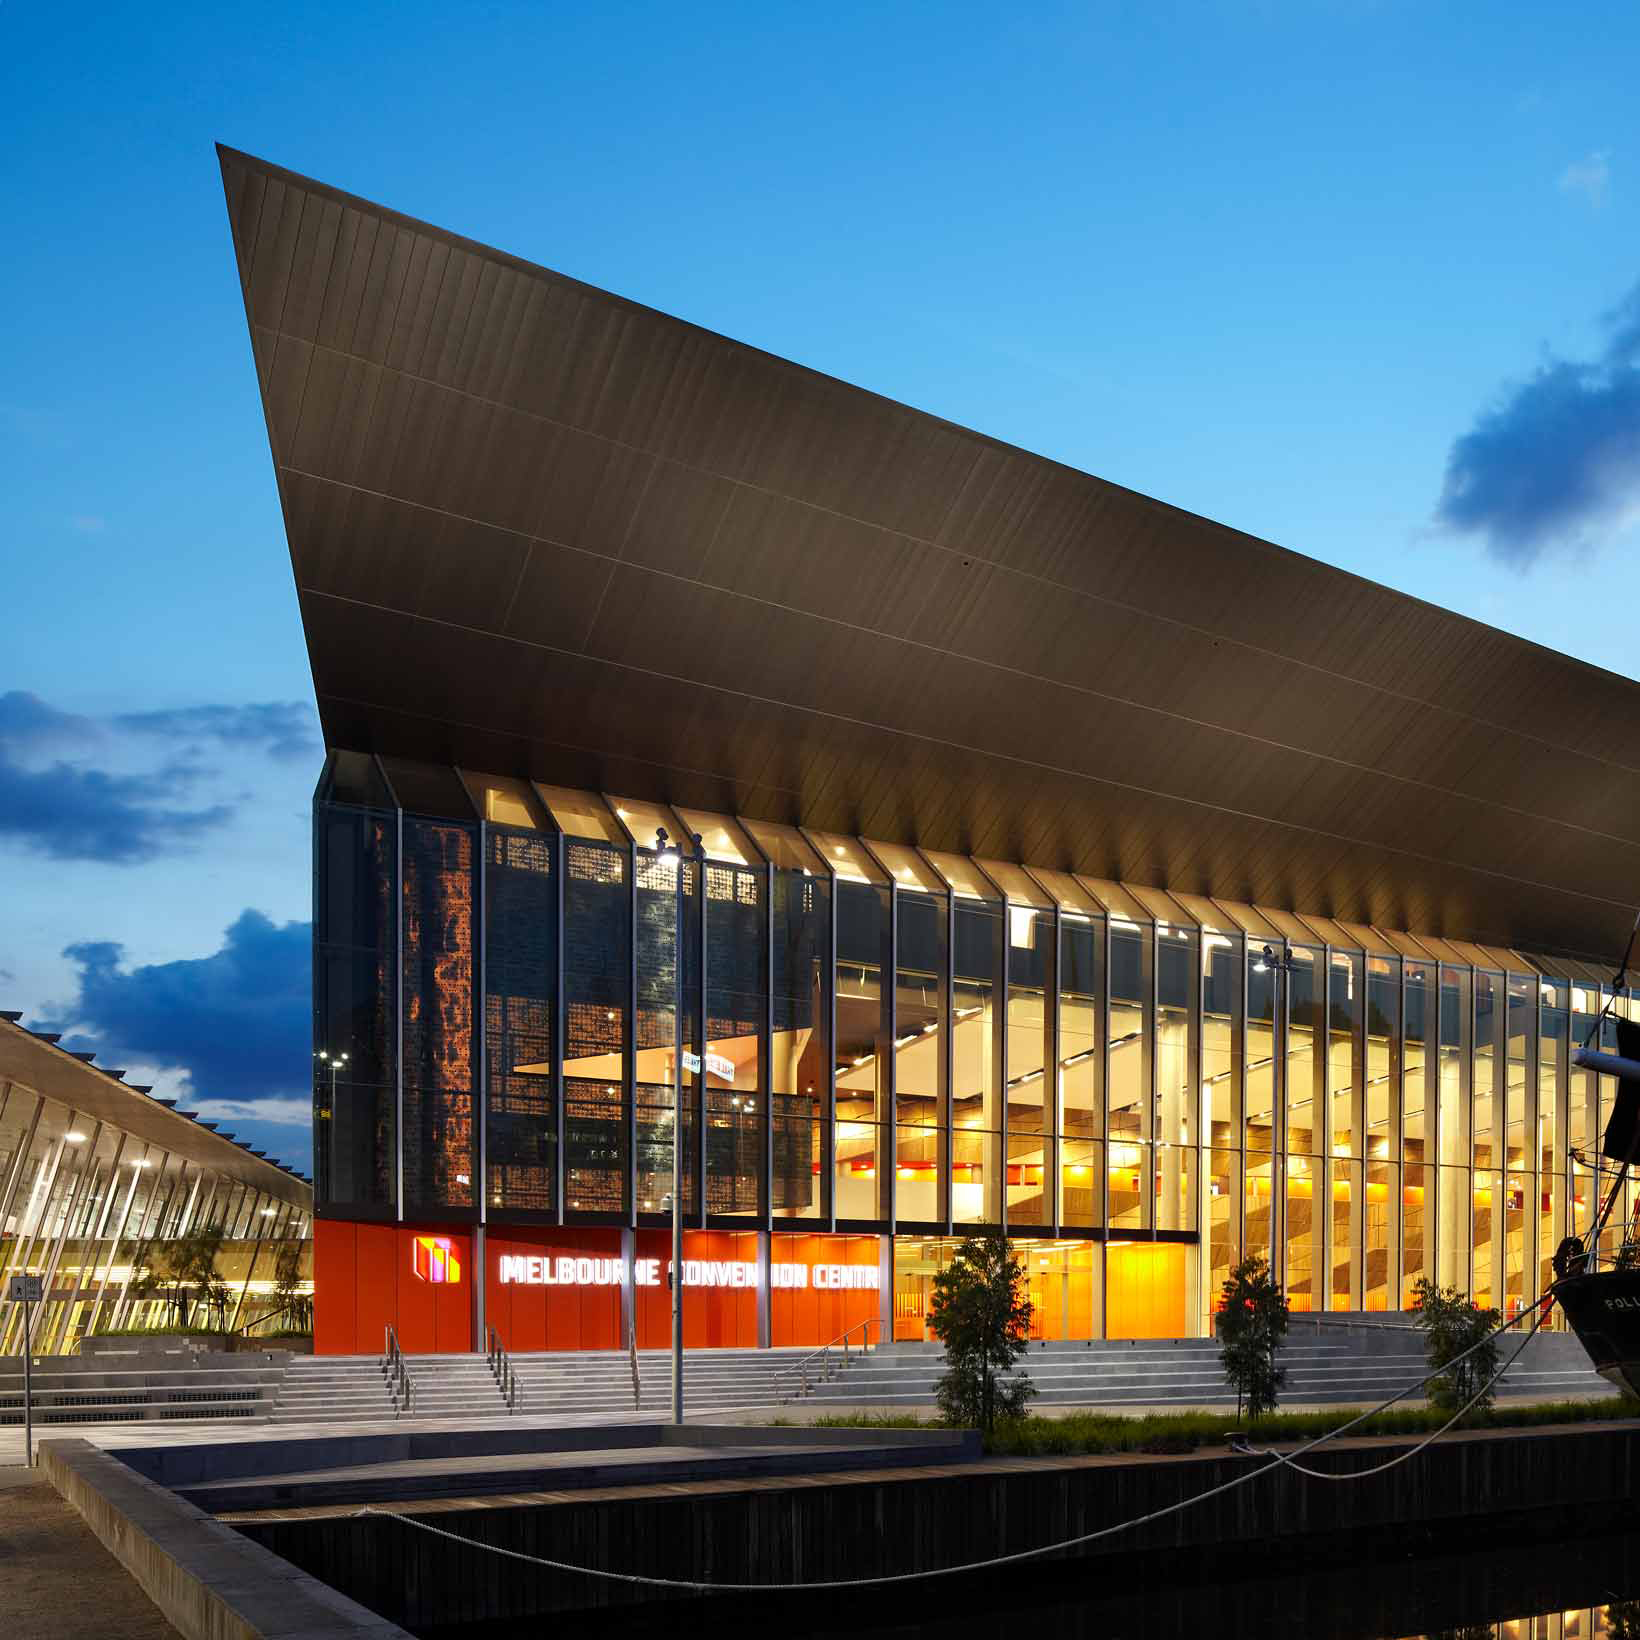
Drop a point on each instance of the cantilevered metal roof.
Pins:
(34, 1061)
(541, 530)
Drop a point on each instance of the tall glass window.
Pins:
(1221, 1061)
(1457, 1204)
(596, 972)
(976, 1062)
(520, 1001)
(1418, 1190)
(863, 1046)
(1178, 965)
(800, 1054)
(1552, 1093)
(1519, 1161)
(733, 1065)
(355, 1007)
(919, 999)
(1131, 1039)
(1081, 1062)
(1029, 1112)
(440, 1153)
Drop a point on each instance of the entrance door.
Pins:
(1145, 1289)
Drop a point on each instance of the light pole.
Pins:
(332, 1062)
(665, 849)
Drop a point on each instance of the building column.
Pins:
(765, 1307)
(885, 1292)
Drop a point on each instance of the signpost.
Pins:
(27, 1291)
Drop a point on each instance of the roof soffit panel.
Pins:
(1295, 650)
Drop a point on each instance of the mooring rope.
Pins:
(1277, 1461)
(1412, 1452)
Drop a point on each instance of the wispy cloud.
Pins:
(281, 1112)
(1589, 178)
(1556, 460)
(284, 729)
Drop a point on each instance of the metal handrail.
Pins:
(506, 1378)
(823, 1356)
(632, 1355)
(296, 1307)
(399, 1387)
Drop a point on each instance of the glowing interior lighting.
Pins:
(75, 1138)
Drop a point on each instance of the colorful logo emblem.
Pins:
(436, 1261)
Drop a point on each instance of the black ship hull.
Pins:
(1603, 1309)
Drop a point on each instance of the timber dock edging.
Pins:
(209, 1581)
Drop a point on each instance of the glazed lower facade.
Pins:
(906, 1046)
(90, 1207)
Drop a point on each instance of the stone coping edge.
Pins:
(209, 1581)
(194, 1463)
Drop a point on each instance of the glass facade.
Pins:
(89, 1207)
(880, 1040)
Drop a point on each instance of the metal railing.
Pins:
(501, 1367)
(819, 1366)
(632, 1355)
(298, 1310)
(397, 1374)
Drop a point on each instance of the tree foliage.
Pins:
(982, 1314)
(1252, 1327)
(1451, 1324)
(1623, 1620)
(287, 1287)
(186, 1266)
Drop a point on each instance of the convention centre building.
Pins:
(982, 846)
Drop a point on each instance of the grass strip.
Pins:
(1166, 1432)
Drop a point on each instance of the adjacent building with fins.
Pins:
(1051, 858)
(99, 1183)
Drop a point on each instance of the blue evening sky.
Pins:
(1362, 278)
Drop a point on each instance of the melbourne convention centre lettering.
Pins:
(527, 1270)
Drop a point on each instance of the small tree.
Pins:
(188, 1265)
(981, 1313)
(287, 1287)
(1252, 1326)
(1451, 1324)
(1623, 1620)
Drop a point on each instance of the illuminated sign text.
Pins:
(530, 1270)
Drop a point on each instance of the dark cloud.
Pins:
(1557, 459)
(284, 729)
(69, 813)
(237, 1022)
(26, 720)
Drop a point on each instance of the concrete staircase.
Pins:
(598, 1383)
(143, 1386)
(1349, 1369)
(585, 1385)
